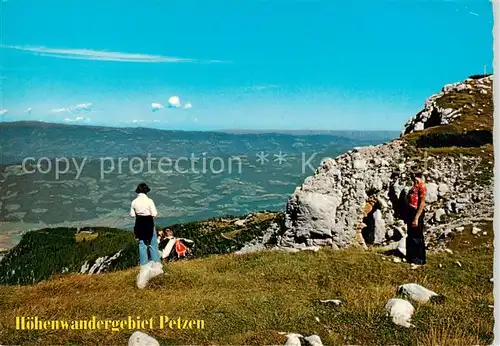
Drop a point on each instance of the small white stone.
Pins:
(334, 301)
(416, 292)
(459, 229)
(239, 223)
(485, 233)
(359, 164)
(142, 339)
(310, 248)
(439, 214)
(449, 251)
(293, 339)
(401, 311)
(396, 260)
(443, 189)
(475, 230)
(314, 340)
(418, 126)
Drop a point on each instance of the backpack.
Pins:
(180, 248)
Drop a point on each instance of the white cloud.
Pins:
(174, 102)
(78, 119)
(83, 107)
(156, 106)
(143, 121)
(262, 87)
(28, 110)
(3, 111)
(257, 88)
(89, 54)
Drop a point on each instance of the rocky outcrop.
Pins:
(342, 205)
(348, 196)
(435, 114)
(358, 198)
(100, 265)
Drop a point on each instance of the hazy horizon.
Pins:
(266, 130)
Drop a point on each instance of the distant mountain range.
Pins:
(351, 134)
(341, 133)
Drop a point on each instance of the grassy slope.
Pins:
(248, 299)
(45, 252)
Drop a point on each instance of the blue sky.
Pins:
(277, 64)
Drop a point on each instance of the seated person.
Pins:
(169, 243)
(161, 235)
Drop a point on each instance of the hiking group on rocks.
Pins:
(144, 211)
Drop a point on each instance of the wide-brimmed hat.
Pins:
(142, 188)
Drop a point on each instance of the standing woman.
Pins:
(144, 210)
(415, 243)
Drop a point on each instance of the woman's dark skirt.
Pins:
(415, 243)
(144, 228)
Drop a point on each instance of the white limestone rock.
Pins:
(402, 245)
(142, 339)
(380, 229)
(439, 214)
(359, 164)
(416, 292)
(313, 340)
(401, 311)
(293, 339)
(239, 223)
(432, 193)
(442, 189)
(333, 301)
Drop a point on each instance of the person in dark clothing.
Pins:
(415, 243)
(144, 210)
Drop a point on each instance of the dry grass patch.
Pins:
(248, 299)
